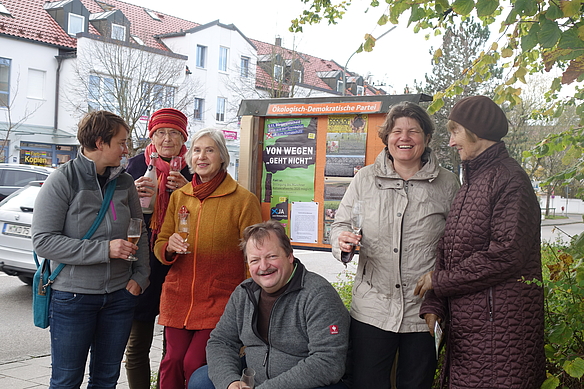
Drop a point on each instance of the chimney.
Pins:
(278, 41)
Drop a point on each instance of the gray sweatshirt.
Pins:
(308, 336)
(65, 209)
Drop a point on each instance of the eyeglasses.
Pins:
(172, 134)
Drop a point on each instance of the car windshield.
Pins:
(20, 201)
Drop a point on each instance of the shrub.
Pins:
(563, 282)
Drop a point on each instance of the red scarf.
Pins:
(162, 197)
(202, 190)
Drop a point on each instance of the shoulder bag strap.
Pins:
(109, 193)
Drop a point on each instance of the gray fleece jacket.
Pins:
(65, 209)
(308, 336)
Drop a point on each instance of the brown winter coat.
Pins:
(491, 243)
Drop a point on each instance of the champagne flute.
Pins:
(183, 230)
(357, 217)
(134, 233)
(247, 378)
(175, 165)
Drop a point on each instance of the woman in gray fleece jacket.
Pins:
(94, 296)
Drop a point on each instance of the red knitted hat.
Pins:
(168, 118)
(481, 116)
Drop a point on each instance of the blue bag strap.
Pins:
(109, 194)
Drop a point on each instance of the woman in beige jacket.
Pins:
(406, 196)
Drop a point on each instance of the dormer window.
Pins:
(278, 72)
(340, 85)
(118, 32)
(360, 90)
(76, 24)
(297, 76)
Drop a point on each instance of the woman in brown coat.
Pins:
(491, 246)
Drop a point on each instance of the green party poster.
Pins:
(289, 159)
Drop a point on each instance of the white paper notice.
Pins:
(304, 222)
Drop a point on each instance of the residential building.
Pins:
(60, 59)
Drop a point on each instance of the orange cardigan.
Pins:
(199, 284)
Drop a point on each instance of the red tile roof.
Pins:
(312, 65)
(143, 25)
(31, 21)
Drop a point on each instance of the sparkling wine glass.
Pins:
(176, 163)
(183, 230)
(175, 166)
(247, 378)
(357, 217)
(134, 233)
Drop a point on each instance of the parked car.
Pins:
(15, 176)
(15, 239)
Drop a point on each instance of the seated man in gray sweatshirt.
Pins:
(292, 323)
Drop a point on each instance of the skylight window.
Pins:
(105, 6)
(4, 11)
(152, 14)
(138, 40)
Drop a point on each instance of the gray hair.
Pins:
(217, 137)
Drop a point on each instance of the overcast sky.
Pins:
(397, 59)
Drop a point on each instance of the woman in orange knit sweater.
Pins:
(199, 284)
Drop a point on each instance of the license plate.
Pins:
(16, 230)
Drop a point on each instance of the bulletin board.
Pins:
(299, 155)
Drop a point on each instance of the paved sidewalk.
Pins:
(34, 373)
(572, 218)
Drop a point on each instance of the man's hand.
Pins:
(235, 385)
(424, 284)
(431, 321)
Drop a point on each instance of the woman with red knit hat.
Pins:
(167, 130)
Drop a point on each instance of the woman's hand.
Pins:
(120, 248)
(133, 288)
(431, 320)
(347, 241)
(424, 284)
(176, 244)
(175, 180)
(145, 187)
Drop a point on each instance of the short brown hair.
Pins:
(261, 231)
(99, 124)
(471, 136)
(406, 109)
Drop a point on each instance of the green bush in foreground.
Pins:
(563, 282)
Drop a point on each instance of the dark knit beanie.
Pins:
(168, 118)
(481, 116)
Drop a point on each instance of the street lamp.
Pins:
(347, 63)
